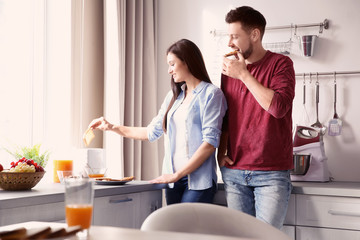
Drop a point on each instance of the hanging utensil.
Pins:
(317, 124)
(335, 124)
(305, 114)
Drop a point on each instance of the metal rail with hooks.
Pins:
(326, 73)
(322, 25)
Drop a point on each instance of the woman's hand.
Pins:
(101, 124)
(166, 178)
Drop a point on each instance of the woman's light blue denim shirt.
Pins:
(203, 123)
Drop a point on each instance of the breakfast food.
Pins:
(32, 153)
(1, 168)
(25, 165)
(88, 136)
(233, 53)
(114, 179)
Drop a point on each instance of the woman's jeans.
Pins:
(180, 193)
(263, 194)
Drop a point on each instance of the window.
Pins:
(35, 73)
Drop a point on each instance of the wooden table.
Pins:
(115, 233)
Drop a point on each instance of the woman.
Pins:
(190, 118)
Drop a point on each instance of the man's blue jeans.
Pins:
(263, 194)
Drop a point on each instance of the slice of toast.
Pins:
(115, 179)
(88, 136)
(233, 53)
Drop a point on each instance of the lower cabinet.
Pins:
(290, 218)
(149, 202)
(117, 210)
(289, 230)
(328, 211)
(327, 217)
(126, 210)
(51, 212)
(311, 233)
(315, 217)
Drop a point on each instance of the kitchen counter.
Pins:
(45, 193)
(54, 192)
(340, 189)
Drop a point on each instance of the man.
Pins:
(255, 154)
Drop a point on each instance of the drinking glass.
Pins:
(79, 198)
(61, 165)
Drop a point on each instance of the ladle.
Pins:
(317, 124)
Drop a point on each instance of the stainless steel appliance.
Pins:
(308, 141)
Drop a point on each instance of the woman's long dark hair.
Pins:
(190, 54)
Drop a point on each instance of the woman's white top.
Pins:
(181, 151)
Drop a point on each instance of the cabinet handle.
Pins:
(120, 200)
(341, 213)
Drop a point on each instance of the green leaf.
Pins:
(31, 153)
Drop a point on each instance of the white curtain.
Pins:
(130, 86)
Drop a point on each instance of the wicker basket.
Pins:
(15, 181)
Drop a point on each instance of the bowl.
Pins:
(301, 164)
(63, 174)
(16, 181)
(95, 172)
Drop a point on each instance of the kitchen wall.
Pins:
(336, 49)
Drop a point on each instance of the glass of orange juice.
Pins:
(61, 165)
(79, 198)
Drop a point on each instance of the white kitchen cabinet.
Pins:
(114, 205)
(327, 217)
(290, 218)
(149, 202)
(313, 217)
(51, 212)
(328, 212)
(118, 210)
(289, 230)
(126, 210)
(311, 233)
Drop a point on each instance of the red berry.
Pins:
(1, 168)
(39, 169)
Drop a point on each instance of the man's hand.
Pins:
(225, 160)
(234, 68)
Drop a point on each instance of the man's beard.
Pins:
(247, 53)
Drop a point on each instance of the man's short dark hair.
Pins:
(248, 17)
